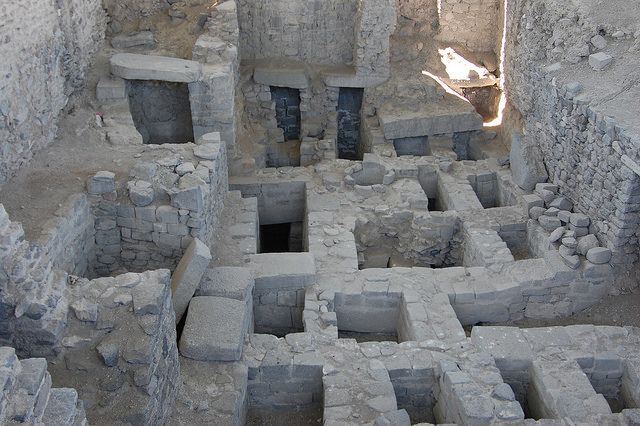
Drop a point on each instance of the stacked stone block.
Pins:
(120, 347)
(33, 297)
(27, 395)
(154, 225)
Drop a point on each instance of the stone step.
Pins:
(215, 329)
(61, 408)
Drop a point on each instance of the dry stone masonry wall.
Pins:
(46, 59)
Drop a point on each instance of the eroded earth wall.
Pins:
(46, 48)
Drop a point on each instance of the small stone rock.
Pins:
(562, 203)
(503, 392)
(109, 352)
(564, 216)
(549, 223)
(579, 219)
(586, 243)
(566, 251)
(599, 255)
(185, 168)
(552, 211)
(101, 183)
(572, 262)
(140, 192)
(599, 61)
(599, 42)
(570, 242)
(535, 212)
(556, 235)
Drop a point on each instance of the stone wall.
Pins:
(587, 154)
(33, 304)
(148, 221)
(68, 238)
(45, 62)
(474, 24)
(318, 32)
(120, 348)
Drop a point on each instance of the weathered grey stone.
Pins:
(101, 183)
(147, 67)
(556, 234)
(230, 282)
(139, 39)
(527, 168)
(188, 274)
(562, 203)
(215, 329)
(141, 192)
(586, 243)
(599, 255)
(549, 223)
(579, 219)
(503, 392)
(600, 60)
(535, 212)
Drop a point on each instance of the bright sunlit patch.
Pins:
(503, 47)
(458, 68)
(444, 85)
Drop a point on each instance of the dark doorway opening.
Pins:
(349, 106)
(161, 111)
(287, 111)
(281, 238)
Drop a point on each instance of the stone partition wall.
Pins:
(68, 238)
(147, 221)
(591, 157)
(318, 32)
(34, 304)
(474, 24)
(45, 62)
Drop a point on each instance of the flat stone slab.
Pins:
(215, 329)
(285, 76)
(283, 270)
(187, 276)
(131, 66)
(230, 282)
(449, 115)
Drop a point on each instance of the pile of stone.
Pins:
(570, 231)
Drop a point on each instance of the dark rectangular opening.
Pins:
(349, 106)
(412, 146)
(281, 238)
(161, 111)
(287, 102)
(368, 337)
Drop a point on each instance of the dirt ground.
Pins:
(284, 418)
(622, 310)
